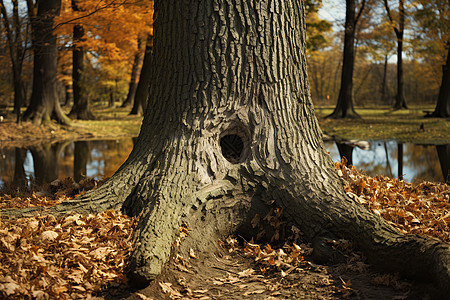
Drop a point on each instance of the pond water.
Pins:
(100, 159)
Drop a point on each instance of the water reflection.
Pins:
(99, 159)
(47, 162)
(410, 161)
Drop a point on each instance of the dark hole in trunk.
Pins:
(232, 146)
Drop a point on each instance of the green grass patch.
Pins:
(386, 124)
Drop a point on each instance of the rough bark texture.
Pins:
(140, 99)
(344, 107)
(129, 101)
(44, 102)
(239, 69)
(442, 109)
(80, 109)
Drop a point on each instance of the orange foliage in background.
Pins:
(112, 30)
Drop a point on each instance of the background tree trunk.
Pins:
(80, 109)
(234, 74)
(140, 100)
(44, 102)
(344, 107)
(442, 109)
(399, 28)
(16, 44)
(129, 101)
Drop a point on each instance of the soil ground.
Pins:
(226, 277)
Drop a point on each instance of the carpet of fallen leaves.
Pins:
(76, 256)
(422, 208)
(67, 258)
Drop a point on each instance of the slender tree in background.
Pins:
(137, 62)
(442, 109)
(344, 107)
(399, 29)
(232, 133)
(44, 102)
(80, 109)
(140, 99)
(16, 34)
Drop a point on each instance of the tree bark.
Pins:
(400, 101)
(236, 71)
(140, 100)
(138, 58)
(442, 109)
(344, 107)
(384, 89)
(44, 102)
(80, 109)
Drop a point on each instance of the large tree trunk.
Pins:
(80, 109)
(442, 109)
(344, 107)
(140, 100)
(44, 102)
(232, 132)
(129, 101)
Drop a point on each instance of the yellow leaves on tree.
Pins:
(112, 30)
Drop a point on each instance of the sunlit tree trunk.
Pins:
(140, 100)
(231, 132)
(44, 102)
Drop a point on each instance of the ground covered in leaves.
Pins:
(82, 257)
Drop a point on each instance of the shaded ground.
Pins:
(84, 257)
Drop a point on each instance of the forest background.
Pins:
(112, 35)
(80, 60)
